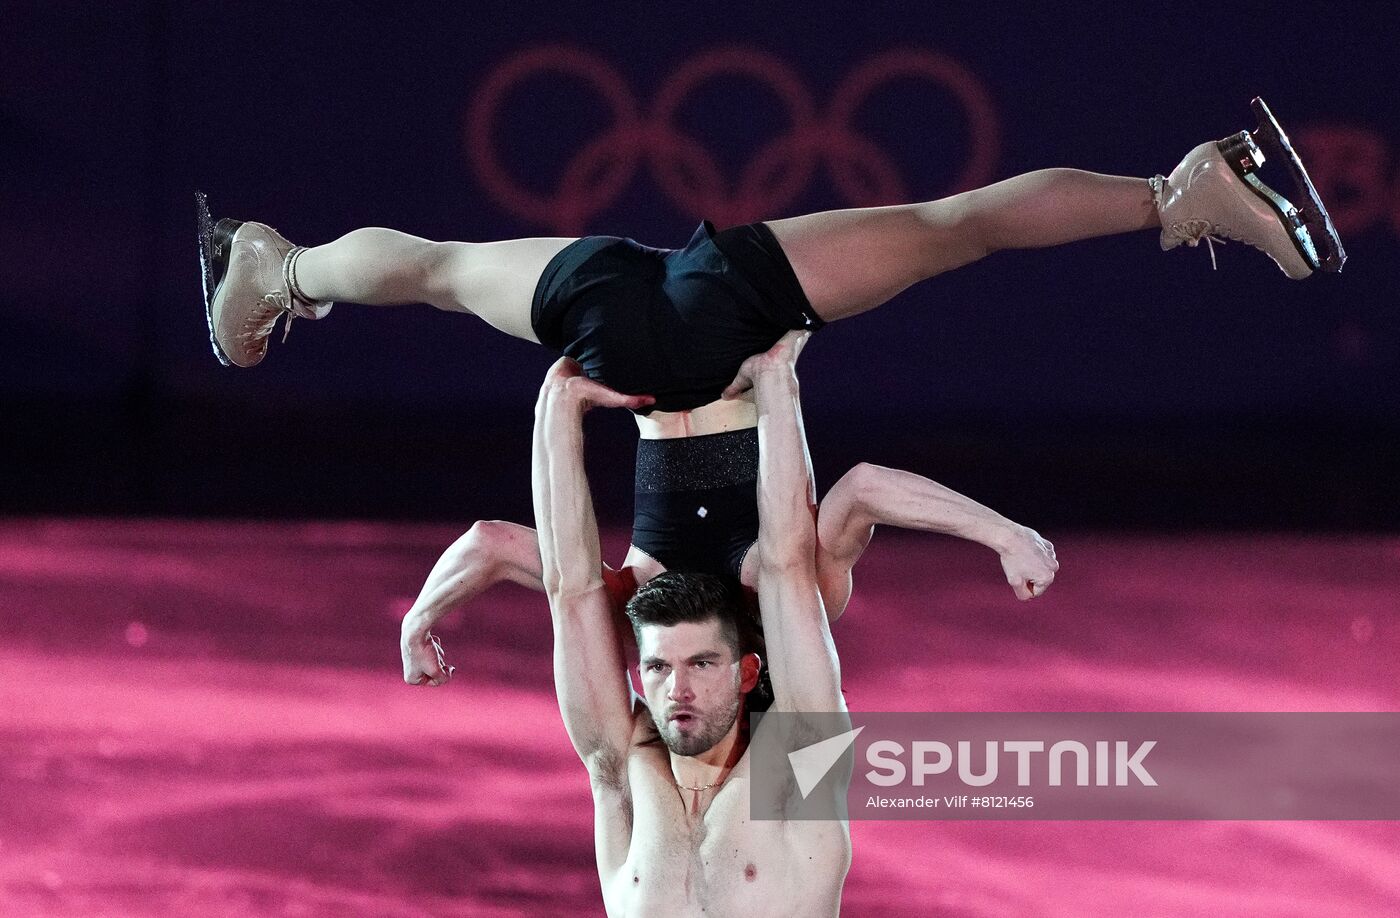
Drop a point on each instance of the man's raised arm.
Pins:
(589, 668)
(802, 662)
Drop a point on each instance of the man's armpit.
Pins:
(612, 802)
(607, 771)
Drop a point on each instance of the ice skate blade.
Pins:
(1313, 216)
(214, 243)
(1243, 156)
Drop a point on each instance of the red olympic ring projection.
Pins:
(1352, 167)
(686, 172)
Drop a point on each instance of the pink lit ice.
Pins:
(264, 757)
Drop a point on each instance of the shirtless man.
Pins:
(670, 772)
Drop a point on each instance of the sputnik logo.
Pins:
(811, 763)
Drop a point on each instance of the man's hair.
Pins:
(675, 597)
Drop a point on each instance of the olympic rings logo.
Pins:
(686, 172)
(1354, 170)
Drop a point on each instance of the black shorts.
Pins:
(696, 501)
(672, 323)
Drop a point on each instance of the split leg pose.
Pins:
(731, 294)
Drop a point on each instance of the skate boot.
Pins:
(249, 275)
(1215, 193)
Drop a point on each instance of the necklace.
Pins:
(702, 787)
(695, 801)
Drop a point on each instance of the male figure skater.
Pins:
(670, 771)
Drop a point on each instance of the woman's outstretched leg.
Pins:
(253, 275)
(850, 261)
(383, 267)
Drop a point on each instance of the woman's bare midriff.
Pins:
(716, 417)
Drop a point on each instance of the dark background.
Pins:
(1101, 384)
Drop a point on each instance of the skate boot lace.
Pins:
(262, 320)
(1192, 232)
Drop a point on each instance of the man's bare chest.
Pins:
(689, 854)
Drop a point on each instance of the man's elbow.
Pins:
(483, 548)
(566, 574)
(870, 486)
(789, 539)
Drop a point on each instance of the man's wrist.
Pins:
(416, 623)
(775, 376)
(419, 620)
(564, 393)
(1002, 535)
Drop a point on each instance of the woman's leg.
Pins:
(850, 261)
(253, 276)
(383, 267)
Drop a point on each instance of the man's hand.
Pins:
(1029, 562)
(781, 357)
(423, 661)
(566, 380)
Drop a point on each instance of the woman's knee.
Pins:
(445, 272)
(962, 228)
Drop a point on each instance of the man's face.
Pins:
(692, 683)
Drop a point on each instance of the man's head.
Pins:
(700, 655)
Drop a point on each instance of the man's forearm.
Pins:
(568, 530)
(786, 492)
(894, 497)
(490, 552)
(802, 663)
